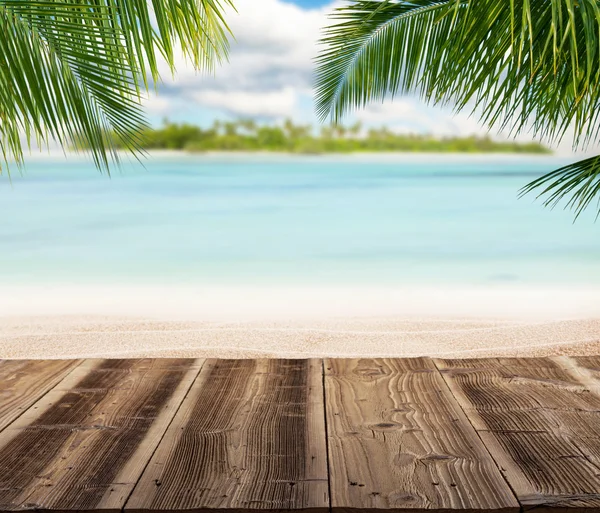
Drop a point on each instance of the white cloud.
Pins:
(276, 104)
(157, 105)
(388, 111)
(409, 115)
(270, 74)
(270, 64)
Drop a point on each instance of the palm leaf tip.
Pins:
(577, 185)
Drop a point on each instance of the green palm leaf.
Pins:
(578, 184)
(521, 65)
(76, 70)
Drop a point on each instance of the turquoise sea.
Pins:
(291, 220)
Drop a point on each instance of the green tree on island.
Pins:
(77, 70)
(520, 65)
(248, 135)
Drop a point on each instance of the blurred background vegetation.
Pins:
(248, 135)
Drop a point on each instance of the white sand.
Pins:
(108, 321)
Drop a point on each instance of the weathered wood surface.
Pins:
(250, 435)
(24, 381)
(540, 419)
(223, 436)
(399, 441)
(84, 445)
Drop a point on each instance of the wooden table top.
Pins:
(137, 435)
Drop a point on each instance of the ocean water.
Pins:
(292, 220)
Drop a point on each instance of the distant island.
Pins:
(247, 135)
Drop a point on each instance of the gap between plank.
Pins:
(326, 435)
(434, 360)
(187, 392)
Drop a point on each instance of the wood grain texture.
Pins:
(249, 436)
(83, 446)
(399, 441)
(540, 420)
(22, 382)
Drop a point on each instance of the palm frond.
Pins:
(520, 65)
(577, 184)
(366, 55)
(75, 71)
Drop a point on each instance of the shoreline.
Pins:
(247, 303)
(127, 322)
(127, 157)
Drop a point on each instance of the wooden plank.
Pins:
(25, 381)
(585, 369)
(83, 446)
(399, 441)
(249, 435)
(541, 424)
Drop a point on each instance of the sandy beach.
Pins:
(109, 321)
